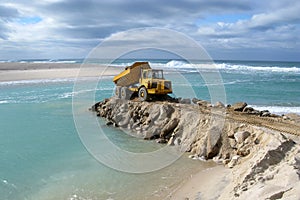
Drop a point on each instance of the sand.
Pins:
(207, 184)
(32, 71)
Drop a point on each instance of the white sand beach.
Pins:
(207, 184)
(30, 71)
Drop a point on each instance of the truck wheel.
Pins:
(125, 93)
(118, 91)
(143, 94)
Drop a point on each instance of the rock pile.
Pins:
(209, 132)
(242, 107)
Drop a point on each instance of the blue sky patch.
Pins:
(229, 18)
(29, 20)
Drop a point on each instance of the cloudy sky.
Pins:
(227, 29)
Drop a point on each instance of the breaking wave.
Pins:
(181, 65)
(278, 109)
(257, 68)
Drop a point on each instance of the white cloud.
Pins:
(274, 29)
(75, 27)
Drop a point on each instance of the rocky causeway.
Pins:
(260, 148)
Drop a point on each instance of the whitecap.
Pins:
(45, 81)
(4, 102)
(192, 67)
(277, 109)
(236, 67)
(36, 81)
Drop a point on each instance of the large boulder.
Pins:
(213, 142)
(239, 106)
(202, 103)
(219, 104)
(185, 101)
(248, 109)
(195, 100)
(169, 127)
(241, 136)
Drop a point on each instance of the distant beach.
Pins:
(15, 71)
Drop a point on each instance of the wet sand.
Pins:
(206, 184)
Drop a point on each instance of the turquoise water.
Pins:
(42, 156)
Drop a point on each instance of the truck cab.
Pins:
(155, 82)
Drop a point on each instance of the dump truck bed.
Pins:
(131, 74)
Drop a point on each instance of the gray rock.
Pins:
(269, 177)
(191, 156)
(297, 162)
(217, 160)
(118, 118)
(225, 161)
(202, 103)
(265, 111)
(195, 100)
(241, 136)
(152, 133)
(177, 141)
(219, 104)
(233, 161)
(109, 123)
(161, 141)
(266, 114)
(213, 142)
(169, 127)
(255, 112)
(232, 143)
(95, 106)
(185, 101)
(239, 106)
(248, 109)
(230, 134)
(125, 122)
(165, 111)
(155, 112)
(243, 151)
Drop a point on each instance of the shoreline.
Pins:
(194, 189)
(34, 71)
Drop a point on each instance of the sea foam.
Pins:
(278, 109)
(193, 67)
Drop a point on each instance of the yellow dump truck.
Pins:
(142, 81)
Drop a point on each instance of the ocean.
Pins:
(42, 156)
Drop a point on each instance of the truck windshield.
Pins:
(157, 74)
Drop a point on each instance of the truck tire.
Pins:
(118, 91)
(125, 93)
(143, 94)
